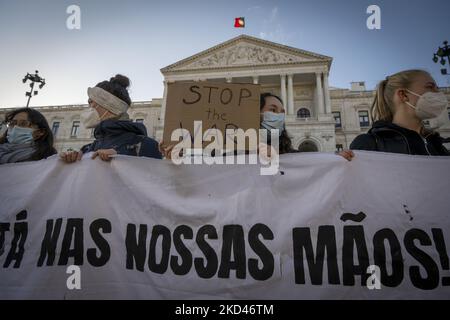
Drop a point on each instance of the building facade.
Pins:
(318, 117)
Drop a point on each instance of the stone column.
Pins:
(162, 115)
(326, 91)
(283, 89)
(319, 96)
(290, 94)
(163, 106)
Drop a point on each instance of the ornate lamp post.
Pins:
(442, 53)
(33, 78)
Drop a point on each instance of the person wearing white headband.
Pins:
(403, 101)
(113, 131)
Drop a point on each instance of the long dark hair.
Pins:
(44, 145)
(285, 143)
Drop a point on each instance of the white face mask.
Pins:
(430, 104)
(90, 118)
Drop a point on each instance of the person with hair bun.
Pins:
(113, 131)
(402, 102)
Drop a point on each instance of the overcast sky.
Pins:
(138, 38)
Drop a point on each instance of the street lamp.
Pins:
(33, 78)
(442, 53)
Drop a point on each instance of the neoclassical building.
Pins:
(299, 77)
(319, 117)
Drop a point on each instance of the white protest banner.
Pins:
(377, 227)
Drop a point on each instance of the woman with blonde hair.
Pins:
(402, 102)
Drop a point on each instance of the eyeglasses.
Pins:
(19, 123)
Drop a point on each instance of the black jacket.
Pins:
(124, 136)
(387, 137)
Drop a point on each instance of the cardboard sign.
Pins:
(218, 105)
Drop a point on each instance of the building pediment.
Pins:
(246, 51)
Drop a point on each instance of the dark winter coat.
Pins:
(124, 136)
(388, 137)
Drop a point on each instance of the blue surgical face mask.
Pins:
(18, 135)
(272, 120)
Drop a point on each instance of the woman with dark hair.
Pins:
(273, 117)
(114, 133)
(28, 137)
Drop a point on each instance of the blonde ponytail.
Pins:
(380, 109)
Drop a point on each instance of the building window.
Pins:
(339, 147)
(337, 119)
(75, 129)
(303, 113)
(55, 128)
(364, 118)
(140, 120)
